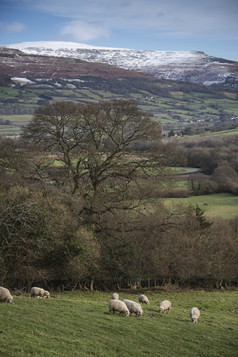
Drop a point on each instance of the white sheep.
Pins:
(5, 295)
(194, 314)
(165, 306)
(143, 299)
(133, 307)
(39, 293)
(118, 305)
(115, 296)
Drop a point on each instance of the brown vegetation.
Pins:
(86, 223)
(217, 157)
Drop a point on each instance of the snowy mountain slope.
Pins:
(121, 56)
(194, 66)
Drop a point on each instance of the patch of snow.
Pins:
(209, 83)
(74, 80)
(22, 81)
(71, 86)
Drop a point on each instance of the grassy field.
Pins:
(174, 104)
(78, 324)
(224, 205)
(210, 134)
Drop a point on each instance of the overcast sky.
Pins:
(175, 25)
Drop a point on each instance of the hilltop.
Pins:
(189, 66)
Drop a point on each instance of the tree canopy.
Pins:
(110, 143)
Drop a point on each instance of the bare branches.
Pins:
(94, 141)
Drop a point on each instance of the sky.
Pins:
(210, 26)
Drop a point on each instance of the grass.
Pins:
(224, 205)
(78, 324)
(184, 170)
(210, 134)
(18, 118)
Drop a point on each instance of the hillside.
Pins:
(27, 81)
(78, 324)
(189, 66)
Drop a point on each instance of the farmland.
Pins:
(86, 227)
(223, 205)
(175, 109)
(78, 324)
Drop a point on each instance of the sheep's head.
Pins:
(139, 313)
(127, 313)
(46, 294)
(9, 300)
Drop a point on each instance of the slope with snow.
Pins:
(123, 57)
(191, 66)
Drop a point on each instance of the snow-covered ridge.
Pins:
(56, 45)
(122, 57)
(189, 66)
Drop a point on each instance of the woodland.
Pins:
(81, 202)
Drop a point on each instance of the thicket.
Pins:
(217, 157)
(77, 206)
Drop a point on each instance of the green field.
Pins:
(222, 205)
(211, 134)
(78, 324)
(176, 105)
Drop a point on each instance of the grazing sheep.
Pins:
(118, 305)
(39, 293)
(165, 306)
(115, 296)
(143, 299)
(194, 314)
(134, 307)
(5, 295)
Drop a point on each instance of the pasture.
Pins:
(78, 324)
(175, 105)
(223, 205)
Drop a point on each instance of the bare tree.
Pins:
(104, 145)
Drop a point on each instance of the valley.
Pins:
(29, 80)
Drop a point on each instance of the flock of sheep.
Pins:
(127, 307)
(5, 295)
(124, 307)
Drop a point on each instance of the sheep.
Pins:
(143, 299)
(165, 306)
(133, 307)
(39, 293)
(194, 314)
(115, 296)
(118, 305)
(5, 295)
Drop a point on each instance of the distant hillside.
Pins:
(27, 81)
(189, 66)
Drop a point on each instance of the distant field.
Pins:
(222, 205)
(175, 105)
(17, 123)
(184, 170)
(216, 133)
(78, 324)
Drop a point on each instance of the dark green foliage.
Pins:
(40, 241)
(200, 215)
